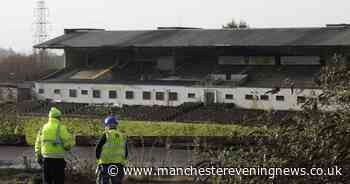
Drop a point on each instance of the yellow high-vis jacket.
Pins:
(53, 140)
(114, 149)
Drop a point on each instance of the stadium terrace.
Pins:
(270, 68)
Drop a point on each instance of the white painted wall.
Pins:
(290, 102)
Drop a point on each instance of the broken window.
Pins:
(191, 95)
(173, 96)
(96, 94)
(301, 99)
(112, 94)
(229, 96)
(146, 95)
(279, 98)
(73, 93)
(57, 91)
(249, 97)
(160, 96)
(264, 97)
(129, 95)
(84, 92)
(41, 91)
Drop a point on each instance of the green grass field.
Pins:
(29, 127)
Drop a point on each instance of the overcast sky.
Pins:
(17, 17)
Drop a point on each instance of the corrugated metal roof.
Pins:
(326, 36)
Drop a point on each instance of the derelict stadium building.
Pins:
(272, 68)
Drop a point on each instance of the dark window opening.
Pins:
(191, 95)
(229, 97)
(57, 91)
(41, 91)
(73, 93)
(159, 96)
(129, 95)
(264, 97)
(84, 92)
(322, 99)
(112, 94)
(280, 98)
(146, 95)
(96, 94)
(173, 96)
(249, 97)
(301, 99)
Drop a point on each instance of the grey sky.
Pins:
(16, 16)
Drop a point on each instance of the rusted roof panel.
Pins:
(326, 36)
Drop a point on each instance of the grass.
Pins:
(29, 126)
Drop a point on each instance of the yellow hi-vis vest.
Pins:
(113, 151)
(53, 140)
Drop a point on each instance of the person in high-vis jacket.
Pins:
(111, 153)
(52, 141)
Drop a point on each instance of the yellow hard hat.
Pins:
(55, 113)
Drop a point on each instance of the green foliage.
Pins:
(314, 138)
(31, 125)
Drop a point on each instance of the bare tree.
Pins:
(234, 25)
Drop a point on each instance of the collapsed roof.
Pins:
(324, 36)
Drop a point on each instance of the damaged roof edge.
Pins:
(68, 34)
(97, 38)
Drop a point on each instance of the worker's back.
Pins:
(52, 141)
(55, 139)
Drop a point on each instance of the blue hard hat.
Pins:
(110, 121)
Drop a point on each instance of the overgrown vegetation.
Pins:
(314, 138)
(30, 125)
(317, 137)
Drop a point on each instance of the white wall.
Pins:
(290, 102)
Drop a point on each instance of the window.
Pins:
(146, 95)
(264, 97)
(96, 94)
(159, 96)
(57, 91)
(129, 95)
(229, 96)
(280, 98)
(84, 92)
(41, 91)
(249, 97)
(172, 96)
(112, 94)
(321, 99)
(301, 99)
(73, 93)
(191, 95)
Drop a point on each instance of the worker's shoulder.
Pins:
(120, 133)
(124, 137)
(63, 125)
(46, 126)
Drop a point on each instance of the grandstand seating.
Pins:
(262, 76)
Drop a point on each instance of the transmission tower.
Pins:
(41, 32)
(41, 22)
